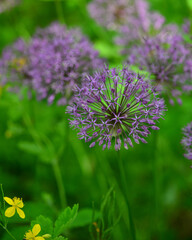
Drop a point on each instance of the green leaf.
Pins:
(45, 223)
(85, 217)
(30, 147)
(34, 209)
(65, 219)
(189, 2)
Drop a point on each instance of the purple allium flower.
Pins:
(111, 14)
(14, 64)
(115, 104)
(131, 35)
(53, 61)
(187, 140)
(169, 64)
(132, 19)
(7, 4)
(186, 27)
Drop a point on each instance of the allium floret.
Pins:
(169, 64)
(187, 140)
(115, 104)
(53, 61)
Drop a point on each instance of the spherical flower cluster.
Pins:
(110, 14)
(115, 104)
(141, 23)
(187, 140)
(132, 19)
(14, 65)
(52, 62)
(7, 4)
(167, 62)
(135, 34)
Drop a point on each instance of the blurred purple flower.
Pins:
(52, 62)
(111, 14)
(169, 64)
(187, 140)
(117, 104)
(132, 19)
(7, 4)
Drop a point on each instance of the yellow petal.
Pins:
(36, 229)
(10, 212)
(29, 235)
(20, 204)
(39, 238)
(21, 213)
(8, 200)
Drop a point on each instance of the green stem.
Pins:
(112, 180)
(125, 190)
(59, 10)
(3, 204)
(5, 228)
(60, 184)
(156, 186)
(44, 141)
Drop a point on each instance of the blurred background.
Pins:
(154, 170)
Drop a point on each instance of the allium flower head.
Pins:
(187, 141)
(110, 14)
(132, 19)
(115, 104)
(142, 22)
(168, 63)
(14, 64)
(52, 62)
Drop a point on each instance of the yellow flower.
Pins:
(32, 235)
(18, 63)
(16, 204)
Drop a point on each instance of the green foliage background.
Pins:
(155, 169)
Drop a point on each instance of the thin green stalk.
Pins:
(5, 228)
(111, 179)
(3, 204)
(59, 10)
(125, 189)
(156, 185)
(44, 140)
(60, 185)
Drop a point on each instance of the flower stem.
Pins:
(5, 228)
(109, 172)
(125, 190)
(59, 180)
(3, 204)
(59, 10)
(156, 181)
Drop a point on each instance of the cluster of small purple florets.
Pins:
(168, 62)
(149, 43)
(132, 19)
(187, 140)
(52, 62)
(115, 104)
(110, 14)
